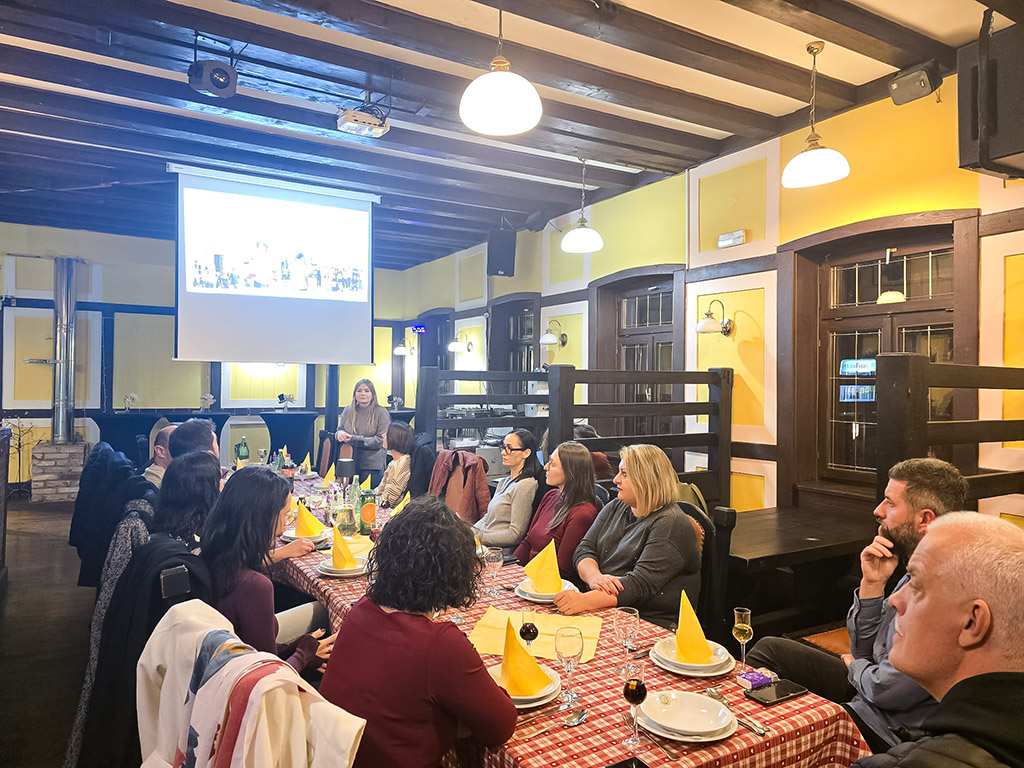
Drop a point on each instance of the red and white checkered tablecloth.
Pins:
(806, 731)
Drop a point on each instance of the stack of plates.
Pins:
(327, 568)
(546, 694)
(684, 716)
(664, 655)
(527, 591)
(326, 533)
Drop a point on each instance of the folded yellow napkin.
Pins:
(295, 504)
(239, 463)
(488, 636)
(520, 674)
(401, 505)
(691, 645)
(284, 451)
(304, 468)
(341, 555)
(543, 571)
(365, 485)
(328, 478)
(306, 524)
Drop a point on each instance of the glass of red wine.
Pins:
(528, 631)
(635, 691)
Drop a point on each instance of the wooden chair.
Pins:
(328, 452)
(715, 538)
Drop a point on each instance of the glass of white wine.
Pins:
(742, 631)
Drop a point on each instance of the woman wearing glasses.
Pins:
(508, 514)
(642, 550)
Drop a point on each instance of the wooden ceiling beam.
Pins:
(438, 92)
(1011, 9)
(854, 28)
(626, 28)
(394, 26)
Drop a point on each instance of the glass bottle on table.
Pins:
(243, 450)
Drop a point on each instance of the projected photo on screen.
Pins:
(241, 245)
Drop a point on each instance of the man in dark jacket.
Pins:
(957, 635)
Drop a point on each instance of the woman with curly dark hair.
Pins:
(248, 518)
(413, 679)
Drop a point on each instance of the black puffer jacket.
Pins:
(979, 724)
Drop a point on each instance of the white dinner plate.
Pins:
(289, 535)
(666, 649)
(526, 586)
(539, 702)
(545, 694)
(649, 725)
(327, 569)
(685, 712)
(674, 668)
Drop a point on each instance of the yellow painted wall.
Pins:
(143, 348)
(643, 227)
(471, 277)
(473, 360)
(33, 339)
(902, 160)
(1013, 342)
(527, 277)
(562, 267)
(430, 285)
(731, 200)
(348, 375)
(743, 351)
(37, 275)
(263, 381)
(139, 284)
(95, 247)
(572, 352)
(30, 435)
(746, 491)
(388, 294)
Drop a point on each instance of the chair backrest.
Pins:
(142, 446)
(328, 452)
(711, 606)
(601, 493)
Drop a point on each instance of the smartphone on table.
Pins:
(783, 690)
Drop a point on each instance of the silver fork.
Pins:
(746, 722)
(670, 753)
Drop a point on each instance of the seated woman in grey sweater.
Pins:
(508, 515)
(641, 550)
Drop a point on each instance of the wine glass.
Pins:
(528, 631)
(569, 649)
(635, 691)
(493, 559)
(742, 631)
(627, 625)
(262, 453)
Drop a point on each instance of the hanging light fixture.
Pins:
(815, 165)
(890, 296)
(581, 238)
(500, 102)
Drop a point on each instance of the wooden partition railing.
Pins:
(430, 404)
(716, 441)
(905, 429)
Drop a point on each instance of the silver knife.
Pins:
(540, 713)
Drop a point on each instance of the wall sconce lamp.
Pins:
(549, 339)
(708, 323)
(401, 350)
(460, 343)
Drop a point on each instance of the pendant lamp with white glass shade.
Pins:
(582, 238)
(815, 165)
(500, 102)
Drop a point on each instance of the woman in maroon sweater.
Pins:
(565, 513)
(248, 518)
(416, 681)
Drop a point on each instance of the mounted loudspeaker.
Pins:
(501, 252)
(215, 78)
(915, 83)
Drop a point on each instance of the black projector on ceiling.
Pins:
(212, 77)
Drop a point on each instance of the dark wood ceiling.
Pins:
(94, 103)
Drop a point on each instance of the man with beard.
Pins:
(887, 706)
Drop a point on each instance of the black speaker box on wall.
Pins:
(501, 252)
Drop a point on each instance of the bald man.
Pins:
(161, 457)
(958, 625)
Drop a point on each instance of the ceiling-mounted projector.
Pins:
(215, 78)
(359, 122)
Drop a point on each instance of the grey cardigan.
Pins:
(655, 557)
(508, 515)
(370, 442)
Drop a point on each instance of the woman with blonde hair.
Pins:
(641, 550)
(364, 422)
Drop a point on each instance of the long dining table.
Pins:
(805, 731)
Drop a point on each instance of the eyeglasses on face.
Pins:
(506, 448)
